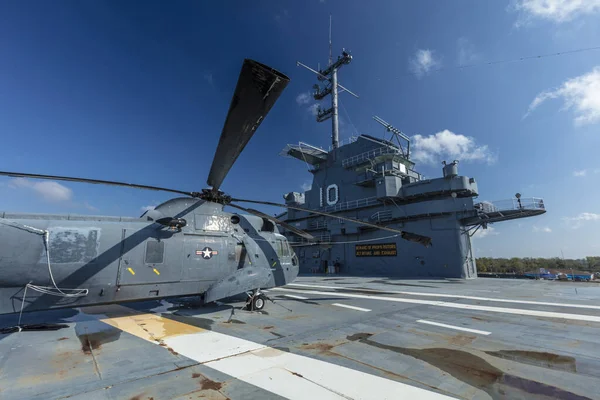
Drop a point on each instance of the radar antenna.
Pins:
(396, 134)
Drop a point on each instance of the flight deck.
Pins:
(324, 338)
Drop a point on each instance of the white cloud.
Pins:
(280, 17)
(581, 93)
(306, 101)
(584, 172)
(423, 61)
(49, 190)
(306, 186)
(447, 145)
(303, 98)
(313, 109)
(481, 233)
(554, 10)
(466, 52)
(544, 229)
(89, 206)
(578, 221)
(208, 77)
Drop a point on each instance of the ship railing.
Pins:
(351, 204)
(529, 203)
(344, 142)
(318, 224)
(299, 241)
(368, 155)
(381, 216)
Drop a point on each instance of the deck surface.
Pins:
(326, 338)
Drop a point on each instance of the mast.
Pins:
(330, 56)
(331, 85)
(334, 110)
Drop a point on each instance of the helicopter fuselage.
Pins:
(183, 247)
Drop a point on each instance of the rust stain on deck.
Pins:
(475, 371)
(540, 359)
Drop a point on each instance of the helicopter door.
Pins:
(154, 260)
(205, 258)
(242, 259)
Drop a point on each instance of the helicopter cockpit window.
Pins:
(290, 251)
(279, 248)
(282, 249)
(155, 252)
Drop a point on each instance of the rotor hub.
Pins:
(215, 196)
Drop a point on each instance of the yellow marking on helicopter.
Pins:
(275, 262)
(155, 271)
(131, 270)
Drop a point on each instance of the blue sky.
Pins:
(119, 91)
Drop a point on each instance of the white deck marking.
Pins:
(458, 296)
(518, 311)
(454, 327)
(296, 297)
(351, 307)
(286, 374)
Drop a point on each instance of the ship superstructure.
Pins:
(373, 179)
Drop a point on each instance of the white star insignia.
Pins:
(206, 253)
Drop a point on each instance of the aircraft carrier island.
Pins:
(374, 180)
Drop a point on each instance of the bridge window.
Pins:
(155, 252)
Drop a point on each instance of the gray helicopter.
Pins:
(187, 246)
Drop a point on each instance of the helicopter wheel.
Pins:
(256, 302)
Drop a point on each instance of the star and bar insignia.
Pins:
(206, 253)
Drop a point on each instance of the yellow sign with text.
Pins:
(376, 250)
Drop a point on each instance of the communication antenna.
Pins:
(330, 55)
(331, 85)
(397, 134)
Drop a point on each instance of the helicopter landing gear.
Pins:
(256, 301)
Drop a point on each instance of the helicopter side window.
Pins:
(155, 252)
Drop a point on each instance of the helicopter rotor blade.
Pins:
(257, 90)
(93, 181)
(287, 226)
(412, 237)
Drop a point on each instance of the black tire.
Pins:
(258, 303)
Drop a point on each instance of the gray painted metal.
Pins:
(335, 137)
(186, 246)
(524, 357)
(257, 90)
(371, 180)
(374, 180)
(133, 259)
